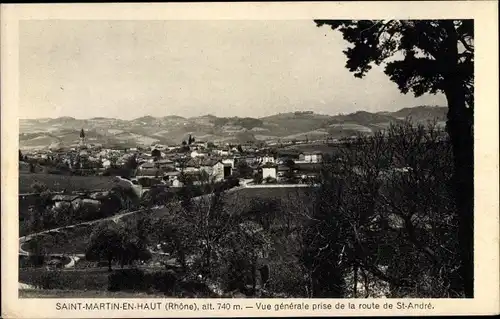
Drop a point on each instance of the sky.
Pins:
(129, 69)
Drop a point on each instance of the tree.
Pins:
(240, 149)
(38, 187)
(184, 143)
(127, 195)
(212, 223)
(257, 178)
(131, 163)
(264, 212)
(385, 211)
(156, 153)
(438, 57)
(244, 170)
(157, 196)
(20, 156)
(190, 139)
(36, 251)
(116, 242)
(105, 243)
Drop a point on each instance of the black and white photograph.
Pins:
(289, 159)
(296, 159)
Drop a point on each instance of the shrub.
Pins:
(126, 279)
(164, 281)
(287, 278)
(49, 280)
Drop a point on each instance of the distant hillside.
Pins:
(422, 113)
(362, 118)
(172, 129)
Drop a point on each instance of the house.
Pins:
(200, 144)
(146, 165)
(65, 201)
(148, 170)
(228, 170)
(282, 171)
(307, 171)
(164, 164)
(87, 203)
(218, 171)
(223, 152)
(64, 198)
(172, 176)
(314, 157)
(106, 163)
(195, 154)
(269, 170)
(145, 158)
(177, 183)
(250, 160)
(284, 159)
(268, 159)
(158, 147)
(229, 161)
(191, 166)
(207, 165)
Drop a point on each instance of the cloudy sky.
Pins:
(128, 69)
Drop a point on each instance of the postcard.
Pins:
(249, 159)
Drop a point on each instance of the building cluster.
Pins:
(172, 164)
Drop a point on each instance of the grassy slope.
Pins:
(58, 293)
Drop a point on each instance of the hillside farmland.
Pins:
(62, 182)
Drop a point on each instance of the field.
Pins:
(90, 279)
(61, 182)
(70, 241)
(59, 293)
(75, 240)
(265, 193)
(319, 147)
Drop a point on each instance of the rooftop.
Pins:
(64, 198)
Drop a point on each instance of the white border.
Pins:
(485, 13)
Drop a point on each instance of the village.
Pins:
(217, 169)
(170, 165)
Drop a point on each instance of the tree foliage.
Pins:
(387, 211)
(119, 242)
(156, 153)
(424, 46)
(428, 56)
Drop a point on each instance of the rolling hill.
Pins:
(172, 129)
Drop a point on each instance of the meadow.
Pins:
(57, 183)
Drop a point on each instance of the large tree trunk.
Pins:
(460, 128)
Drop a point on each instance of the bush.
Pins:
(137, 280)
(36, 260)
(68, 280)
(393, 208)
(164, 281)
(126, 279)
(287, 278)
(49, 280)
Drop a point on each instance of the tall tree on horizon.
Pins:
(428, 56)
